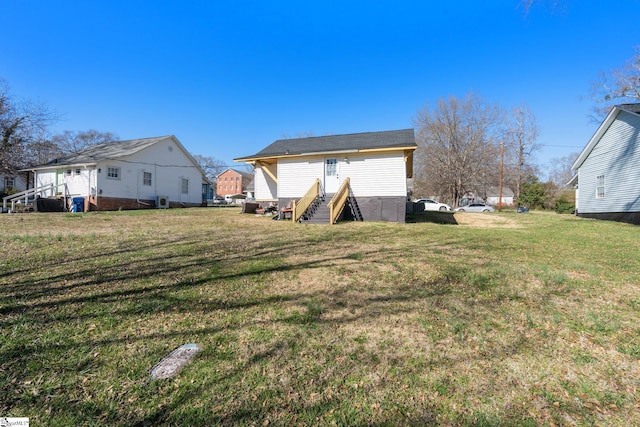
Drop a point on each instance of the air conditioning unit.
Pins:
(162, 202)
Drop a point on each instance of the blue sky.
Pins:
(228, 78)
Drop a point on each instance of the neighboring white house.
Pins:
(133, 174)
(377, 164)
(607, 171)
(493, 196)
(490, 196)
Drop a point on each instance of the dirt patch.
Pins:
(485, 220)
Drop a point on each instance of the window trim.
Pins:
(147, 178)
(114, 172)
(600, 187)
(9, 182)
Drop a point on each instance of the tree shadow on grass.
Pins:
(154, 296)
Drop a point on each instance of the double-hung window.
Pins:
(113, 173)
(9, 182)
(600, 187)
(146, 178)
(184, 185)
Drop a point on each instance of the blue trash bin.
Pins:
(77, 204)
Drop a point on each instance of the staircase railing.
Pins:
(355, 208)
(300, 207)
(336, 205)
(32, 192)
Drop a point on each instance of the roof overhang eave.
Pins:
(253, 159)
(385, 149)
(59, 166)
(604, 126)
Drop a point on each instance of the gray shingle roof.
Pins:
(633, 108)
(336, 143)
(106, 151)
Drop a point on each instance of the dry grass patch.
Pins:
(525, 320)
(485, 220)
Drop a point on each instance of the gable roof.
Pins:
(245, 175)
(354, 142)
(106, 151)
(94, 154)
(602, 129)
(495, 192)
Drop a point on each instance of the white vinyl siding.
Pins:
(376, 174)
(296, 176)
(77, 185)
(371, 174)
(265, 188)
(168, 164)
(616, 157)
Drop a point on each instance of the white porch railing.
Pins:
(47, 190)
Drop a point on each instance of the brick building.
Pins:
(232, 182)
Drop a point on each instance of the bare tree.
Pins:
(287, 135)
(211, 166)
(21, 123)
(72, 141)
(560, 169)
(619, 85)
(520, 144)
(458, 150)
(41, 151)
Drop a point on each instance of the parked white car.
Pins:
(432, 205)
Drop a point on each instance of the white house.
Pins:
(371, 167)
(134, 174)
(493, 196)
(607, 171)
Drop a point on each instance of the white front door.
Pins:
(331, 177)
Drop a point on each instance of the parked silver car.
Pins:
(475, 207)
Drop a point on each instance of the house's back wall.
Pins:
(382, 208)
(373, 208)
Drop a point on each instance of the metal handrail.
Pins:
(300, 207)
(336, 205)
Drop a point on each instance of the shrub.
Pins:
(565, 203)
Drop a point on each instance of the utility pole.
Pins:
(501, 170)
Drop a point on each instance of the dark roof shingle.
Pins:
(633, 108)
(336, 143)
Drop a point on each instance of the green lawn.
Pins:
(504, 319)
